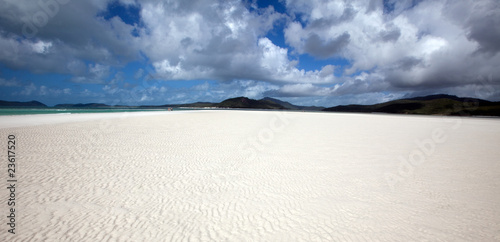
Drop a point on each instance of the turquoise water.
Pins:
(23, 111)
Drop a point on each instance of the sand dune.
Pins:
(254, 176)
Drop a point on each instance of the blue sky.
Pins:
(142, 52)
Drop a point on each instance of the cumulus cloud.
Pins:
(414, 45)
(300, 90)
(34, 90)
(483, 25)
(9, 83)
(28, 90)
(218, 40)
(315, 46)
(162, 93)
(96, 74)
(391, 48)
(45, 37)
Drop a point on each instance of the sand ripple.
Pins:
(234, 176)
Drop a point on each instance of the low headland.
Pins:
(439, 104)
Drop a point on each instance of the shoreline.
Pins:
(22, 120)
(17, 121)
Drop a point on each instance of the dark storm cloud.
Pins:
(408, 63)
(486, 31)
(70, 32)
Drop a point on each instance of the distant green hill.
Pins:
(244, 102)
(193, 105)
(288, 105)
(30, 104)
(239, 102)
(440, 104)
(431, 105)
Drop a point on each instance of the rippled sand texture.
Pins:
(257, 176)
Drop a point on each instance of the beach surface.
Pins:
(251, 176)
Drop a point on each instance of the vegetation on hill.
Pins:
(244, 102)
(30, 104)
(288, 105)
(440, 104)
(432, 105)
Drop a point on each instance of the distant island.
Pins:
(246, 103)
(30, 104)
(440, 104)
(238, 102)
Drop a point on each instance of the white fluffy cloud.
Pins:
(93, 73)
(34, 90)
(219, 40)
(393, 48)
(417, 46)
(9, 83)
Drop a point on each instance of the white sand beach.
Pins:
(252, 176)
